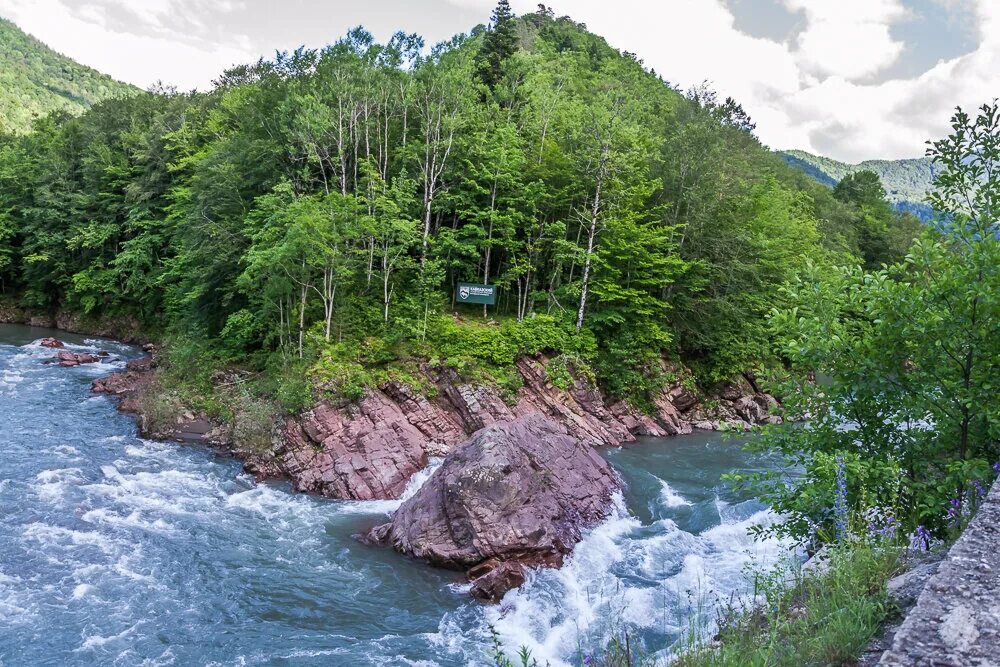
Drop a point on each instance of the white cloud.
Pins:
(815, 91)
(848, 38)
(87, 34)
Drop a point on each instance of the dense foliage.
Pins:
(905, 416)
(35, 80)
(327, 203)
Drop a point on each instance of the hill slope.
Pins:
(35, 80)
(616, 219)
(906, 181)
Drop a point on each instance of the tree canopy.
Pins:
(329, 197)
(906, 413)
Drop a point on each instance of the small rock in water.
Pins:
(51, 342)
(69, 359)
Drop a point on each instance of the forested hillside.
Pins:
(907, 182)
(35, 80)
(314, 214)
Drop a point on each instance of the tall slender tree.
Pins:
(499, 44)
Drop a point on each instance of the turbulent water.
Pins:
(118, 550)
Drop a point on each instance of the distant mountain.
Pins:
(906, 181)
(35, 80)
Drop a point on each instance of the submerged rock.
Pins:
(51, 342)
(517, 494)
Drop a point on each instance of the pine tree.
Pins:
(499, 44)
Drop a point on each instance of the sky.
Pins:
(849, 79)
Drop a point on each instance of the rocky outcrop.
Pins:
(363, 451)
(135, 385)
(370, 448)
(904, 589)
(126, 383)
(956, 620)
(517, 494)
(68, 359)
(125, 329)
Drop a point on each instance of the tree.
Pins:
(883, 235)
(323, 198)
(909, 356)
(393, 233)
(499, 44)
(861, 188)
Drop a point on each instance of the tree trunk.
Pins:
(302, 319)
(595, 212)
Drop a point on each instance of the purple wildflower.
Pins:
(888, 530)
(954, 511)
(980, 491)
(996, 467)
(923, 538)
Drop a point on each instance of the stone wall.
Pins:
(956, 620)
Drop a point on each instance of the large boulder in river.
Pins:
(516, 494)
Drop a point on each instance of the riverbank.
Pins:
(105, 531)
(125, 329)
(372, 446)
(369, 447)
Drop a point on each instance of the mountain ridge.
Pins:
(906, 181)
(36, 80)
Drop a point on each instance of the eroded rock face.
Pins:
(369, 449)
(363, 451)
(517, 494)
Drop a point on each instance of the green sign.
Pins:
(481, 294)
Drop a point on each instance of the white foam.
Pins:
(646, 577)
(66, 452)
(670, 498)
(52, 485)
(168, 491)
(81, 590)
(15, 607)
(273, 504)
(389, 506)
(66, 538)
(133, 519)
(97, 641)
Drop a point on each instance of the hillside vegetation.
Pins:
(35, 80)
(313, 215)
(906, 182)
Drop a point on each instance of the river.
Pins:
(122, 551)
